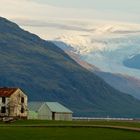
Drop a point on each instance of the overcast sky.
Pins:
(117, 10)
(132, 6)
(124, 5)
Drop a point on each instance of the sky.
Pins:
(119, 10)
(123, 9)
(43, 17)
(124, 5)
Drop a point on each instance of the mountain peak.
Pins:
(4, 23)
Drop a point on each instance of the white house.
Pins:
(48, 111)
(13, 103)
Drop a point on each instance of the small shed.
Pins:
(48, 111)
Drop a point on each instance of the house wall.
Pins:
(15, 104)
(44, 113)
(63, 116)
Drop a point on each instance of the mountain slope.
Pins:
(107, 47)
(123, 83)
(133, 62)
(45, 72)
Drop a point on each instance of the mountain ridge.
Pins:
(47, 73)
(123, 83)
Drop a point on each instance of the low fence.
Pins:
(107, 119)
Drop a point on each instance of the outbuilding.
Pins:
(48, 111)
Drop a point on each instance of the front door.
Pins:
(53, 115)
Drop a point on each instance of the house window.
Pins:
(3, 100)
(22, 99)
(22, 110)
(3, 109)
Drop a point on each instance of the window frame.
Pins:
(22, 110)
(3, 109)
(3, 100)
(22, 100)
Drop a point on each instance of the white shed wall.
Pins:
(44, 113)
(63, 116)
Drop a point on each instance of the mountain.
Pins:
(123, 83)
(106, 46)
(133, 62)
(47, 73)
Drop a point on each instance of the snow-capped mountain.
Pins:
(105, 46)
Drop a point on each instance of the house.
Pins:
(48, 111)
(13, 103)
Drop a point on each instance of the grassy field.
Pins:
(43, 130)
(57, 133)
(135, 124)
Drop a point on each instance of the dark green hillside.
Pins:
(45, 72)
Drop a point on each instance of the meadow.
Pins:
(72, 130)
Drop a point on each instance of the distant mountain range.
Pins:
(112, 48)
(47, 73)
(133, 62)
(123, 83)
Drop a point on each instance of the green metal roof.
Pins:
(35, 106)
(57, 107)
(53, 106)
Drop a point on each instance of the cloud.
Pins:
(45, 19)
(33, 10)
(61, 25)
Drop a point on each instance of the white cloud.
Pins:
(46, 20)
(32, 10)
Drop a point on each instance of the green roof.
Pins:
(35, 106)
(53, 106)
(57, 107)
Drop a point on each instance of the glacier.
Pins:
(105, 44)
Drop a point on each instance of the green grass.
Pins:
(41, 132)
(67, 123)
(57, 133)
